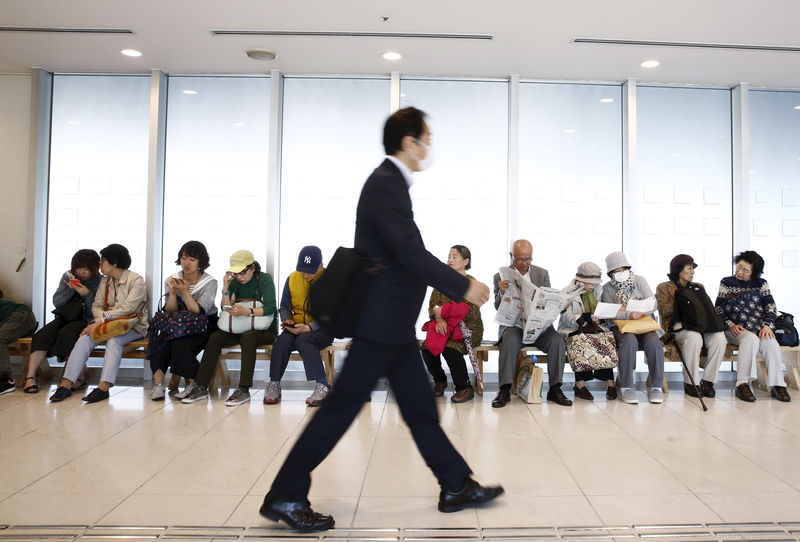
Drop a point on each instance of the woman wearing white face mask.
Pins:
(624, 286)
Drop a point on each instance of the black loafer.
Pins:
(744, 393)
(780, 393)
(611, 393)
(583, 393)
(472, 494)
(438, 388)
(297, 515)
(557, 396)
(707, 389)
(60, 394)
(691, 391)
(500, 400)
(95, 396)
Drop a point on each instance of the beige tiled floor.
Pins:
(131, 461)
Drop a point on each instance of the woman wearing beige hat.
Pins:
(588, 275)
(244, 280)
(624, 286)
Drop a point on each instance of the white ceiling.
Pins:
(531, 38)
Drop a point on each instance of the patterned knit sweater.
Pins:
(747, 303)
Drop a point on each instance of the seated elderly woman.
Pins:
(448, 336)
(588, 275)
(694, 322)
(624, 286)
(748, 309)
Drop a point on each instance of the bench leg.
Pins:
(328, 357)
(479, 357)
(221, 373)
(792, 362)
(26, 359)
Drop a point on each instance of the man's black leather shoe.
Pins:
(297, 515)
(472, 494)
(558, 397)
(500, 400)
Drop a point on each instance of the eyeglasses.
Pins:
(243, 272)
(523, 260)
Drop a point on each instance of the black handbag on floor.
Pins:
(785, 332)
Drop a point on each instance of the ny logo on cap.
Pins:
(307, 259)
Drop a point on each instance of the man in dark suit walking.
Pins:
(385, 342)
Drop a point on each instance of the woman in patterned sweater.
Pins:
(459, 259)
(747, 306)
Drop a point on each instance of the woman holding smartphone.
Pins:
(190, 289)
(244, 280)
(73, 309)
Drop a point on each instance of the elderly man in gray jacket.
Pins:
(549, 341)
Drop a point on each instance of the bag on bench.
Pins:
(785, 332)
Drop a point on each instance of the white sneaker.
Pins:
(159, 392)
(656, 396)
(186, 391)
(628, 395)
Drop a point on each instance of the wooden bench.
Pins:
(265, 353)
(132, 350)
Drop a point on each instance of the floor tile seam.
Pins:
(729, 446)
(369, 462)
(81, 454)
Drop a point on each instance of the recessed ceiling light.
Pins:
(677, 155)
(391, 55)
(131, 52)
(402, 94)
(606, 100)
(569, 131)
(261, 54)
(73, 122)
(797, 107)
(190, 92)
(650, 64)
(238, 124)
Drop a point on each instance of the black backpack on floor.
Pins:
(696, 311)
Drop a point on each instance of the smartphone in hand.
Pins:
(72, 280)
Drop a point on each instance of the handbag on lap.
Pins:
(590, 348)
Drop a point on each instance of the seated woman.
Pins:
(121, 293)
(588, 275)
(250, 283)
(73, 309)
(16, 320)
(691, 332)
(190, 289)
(748, 309)
(624, 286)
(300, 331)
(460, 259)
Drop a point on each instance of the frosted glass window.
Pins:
(683, 182)
(332, 141)
(774, 197)
(216, 168)
(462, 198)
(98, 169)
(570, 175)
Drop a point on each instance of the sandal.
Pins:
(80, 384)
(33, 388)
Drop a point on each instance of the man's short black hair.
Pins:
(409, 121)
(85, 258)
(196, 250)
(754, 259)
(116, 255)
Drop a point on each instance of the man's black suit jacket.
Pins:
(387, 234)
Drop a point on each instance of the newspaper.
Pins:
(531, 307)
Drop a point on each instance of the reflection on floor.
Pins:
(600, 469)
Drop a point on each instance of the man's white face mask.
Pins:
(424, 163)
(622, 276)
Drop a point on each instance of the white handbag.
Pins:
(240, 324)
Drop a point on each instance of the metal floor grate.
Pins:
(760, 531)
